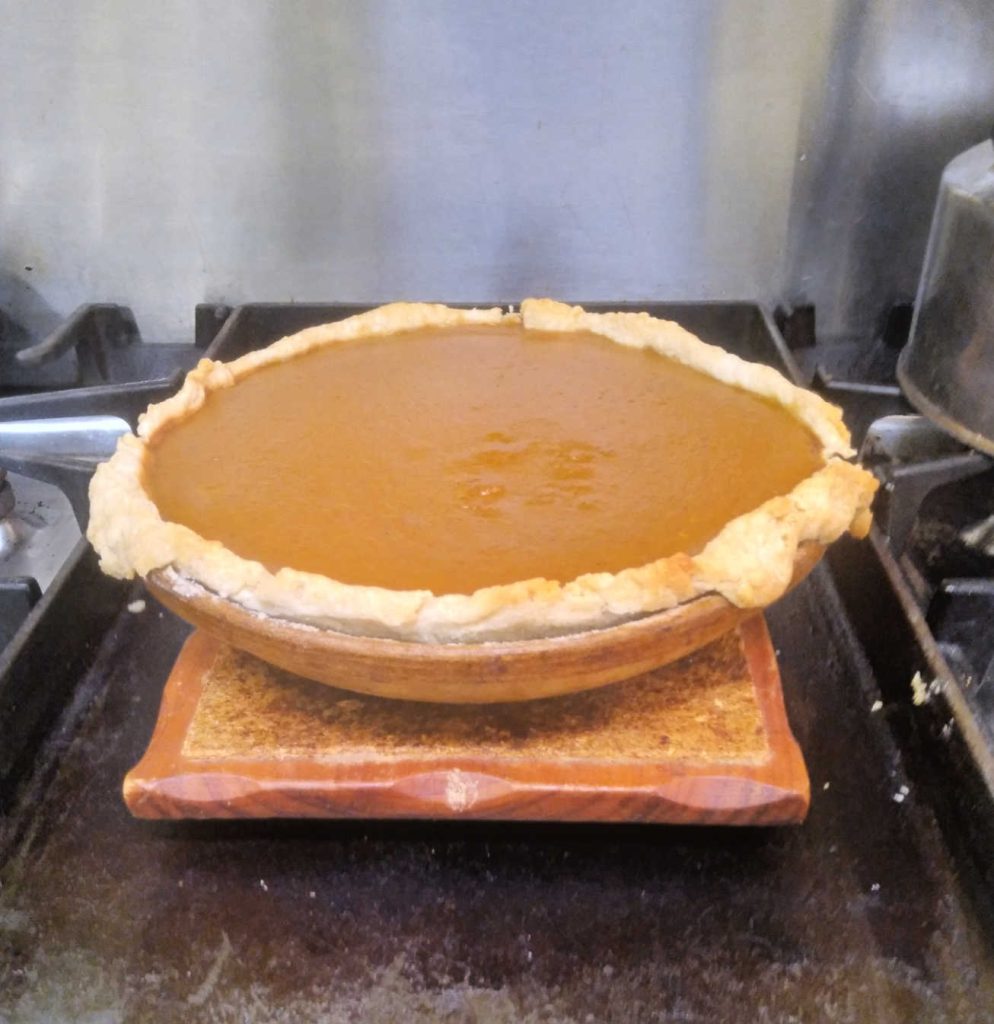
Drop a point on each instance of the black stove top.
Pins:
(876, 909)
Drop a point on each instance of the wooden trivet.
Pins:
(702, 741)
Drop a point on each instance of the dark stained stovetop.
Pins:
(856, 916)
(865, 913)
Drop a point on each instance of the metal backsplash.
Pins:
(163, 154)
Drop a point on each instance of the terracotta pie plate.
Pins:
(481, 673)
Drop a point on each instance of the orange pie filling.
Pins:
(455, 458)
(452, 476)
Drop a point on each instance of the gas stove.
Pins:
(920, 592)
(886, 887)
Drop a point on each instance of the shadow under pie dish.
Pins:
(419, 480)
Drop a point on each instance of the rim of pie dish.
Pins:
(750, 561)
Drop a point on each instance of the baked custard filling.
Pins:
(455, 458)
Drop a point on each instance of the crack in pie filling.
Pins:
(432, 474)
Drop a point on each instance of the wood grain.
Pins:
(466, 673)
(704, 741)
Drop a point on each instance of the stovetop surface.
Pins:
(858, 915)
(867, 912)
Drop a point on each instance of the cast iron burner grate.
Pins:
(921, 593)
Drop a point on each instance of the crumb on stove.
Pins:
(899, 797)
(877, 705)
(875, 887)
(919, 691)
(827, 785)
(263, 886)
(136, 607)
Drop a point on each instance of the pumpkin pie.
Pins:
(431, 474)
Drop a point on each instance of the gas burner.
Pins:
(64, 400)
(912, 458)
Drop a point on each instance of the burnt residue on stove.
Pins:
(940, 542)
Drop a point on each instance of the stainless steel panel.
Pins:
(908, 85)
(164, 154)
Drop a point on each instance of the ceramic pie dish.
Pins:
(424, 484)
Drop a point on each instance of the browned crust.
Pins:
(750, 562)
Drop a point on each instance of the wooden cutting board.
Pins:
(704, 741)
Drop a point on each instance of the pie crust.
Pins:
(749, 562)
